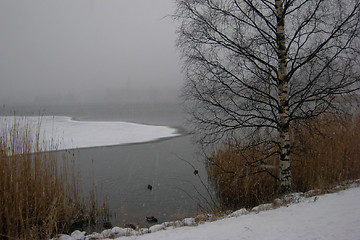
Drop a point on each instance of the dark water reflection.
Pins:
(124, 172)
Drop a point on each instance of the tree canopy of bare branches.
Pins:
(260, 65)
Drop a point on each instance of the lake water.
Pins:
(122, 173)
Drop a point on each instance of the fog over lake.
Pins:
(87, 51)
(110, 60)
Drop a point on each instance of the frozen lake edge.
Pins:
(69, 133)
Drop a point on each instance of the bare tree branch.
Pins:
(257, 66)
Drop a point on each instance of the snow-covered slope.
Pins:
(333, 216)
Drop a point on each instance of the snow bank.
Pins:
(67, 133)
(332, 216)
(329, 217)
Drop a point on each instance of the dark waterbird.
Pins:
(151, 219)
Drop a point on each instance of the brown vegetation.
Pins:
(325, 152)
(39, 196)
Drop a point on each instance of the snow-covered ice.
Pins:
(330, 217)
(66, 133)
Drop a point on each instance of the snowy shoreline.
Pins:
(330, 216)
(64, 132)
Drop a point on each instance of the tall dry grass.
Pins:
(325, 152)
(237, 183)
(38, 196)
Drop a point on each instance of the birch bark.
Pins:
(283, 95)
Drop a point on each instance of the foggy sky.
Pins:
(57, 51)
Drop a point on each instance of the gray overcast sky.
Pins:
(87, 50)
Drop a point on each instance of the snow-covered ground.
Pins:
(333, 216)
(67, 133)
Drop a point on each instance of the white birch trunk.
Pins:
(284, 138)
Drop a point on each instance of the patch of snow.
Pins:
(65, 237)
(66, 133)
(75, 235)
(157, 227)
(189, 222)
(117, 232)
(78, 235)
(238, 213)
(262, 207)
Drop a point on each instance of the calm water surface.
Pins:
(122, 173)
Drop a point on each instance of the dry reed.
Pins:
(38, 196)
(325, 152)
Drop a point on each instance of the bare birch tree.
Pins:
(259, 65)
